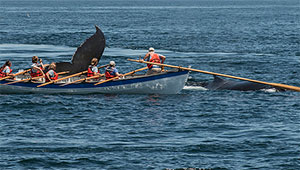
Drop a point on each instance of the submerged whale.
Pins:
(221, 84)
(93, 47)
(224, 84)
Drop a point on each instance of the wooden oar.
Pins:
(126, 74)
(283, 86)
(33, 78)
(84, 79)
(15, 74)
(73, 75)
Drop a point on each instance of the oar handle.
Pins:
(284, 86)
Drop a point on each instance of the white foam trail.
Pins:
(194, 88)
(273, 90)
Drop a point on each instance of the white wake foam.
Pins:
(194, 88)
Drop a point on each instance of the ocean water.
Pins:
(196, 128)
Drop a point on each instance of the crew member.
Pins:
(151, 56)
(93, 69)
(111, 71)
(6, 70)
(37, 68)
(51, 75)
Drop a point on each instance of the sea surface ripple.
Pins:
(197, 128)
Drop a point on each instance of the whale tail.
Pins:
(93, 47)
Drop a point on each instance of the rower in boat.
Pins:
(151, 56)
(93, 69)
(51, 75)
(111, 71)
(6, 70)
(37, 67)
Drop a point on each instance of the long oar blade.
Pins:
(132, 72)
(7, 77)
(283, 86)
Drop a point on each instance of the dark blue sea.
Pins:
(197, 128)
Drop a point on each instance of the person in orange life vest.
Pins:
(151, 56)
(37, 68)
(93, 69)
(6, 70)
(51, 74)
(111, 71)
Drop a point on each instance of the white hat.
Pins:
(151, 49)
(112, 63)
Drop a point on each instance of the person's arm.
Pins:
(147, 56)
(98, 74)
(42, 65)
(11, 74)
(117, 73)
(38, 68)
(163, 58)
(48, 76)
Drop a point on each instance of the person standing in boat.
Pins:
(6, 70)
(111, 71)
(51, 75)
(151, 56)
(37, 68)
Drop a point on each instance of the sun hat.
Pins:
(151, 49)
(112, 63)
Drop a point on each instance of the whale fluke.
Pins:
(93, 47)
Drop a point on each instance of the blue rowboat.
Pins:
(171, 82)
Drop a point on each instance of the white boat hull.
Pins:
(166, 83)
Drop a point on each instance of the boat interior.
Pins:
(69, 80)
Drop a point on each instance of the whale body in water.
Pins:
(224, 84)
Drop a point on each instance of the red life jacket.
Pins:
(52, 78)
(108, 73)
(153, 58)
(4, 74)
(90, 73)
(37, 73)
